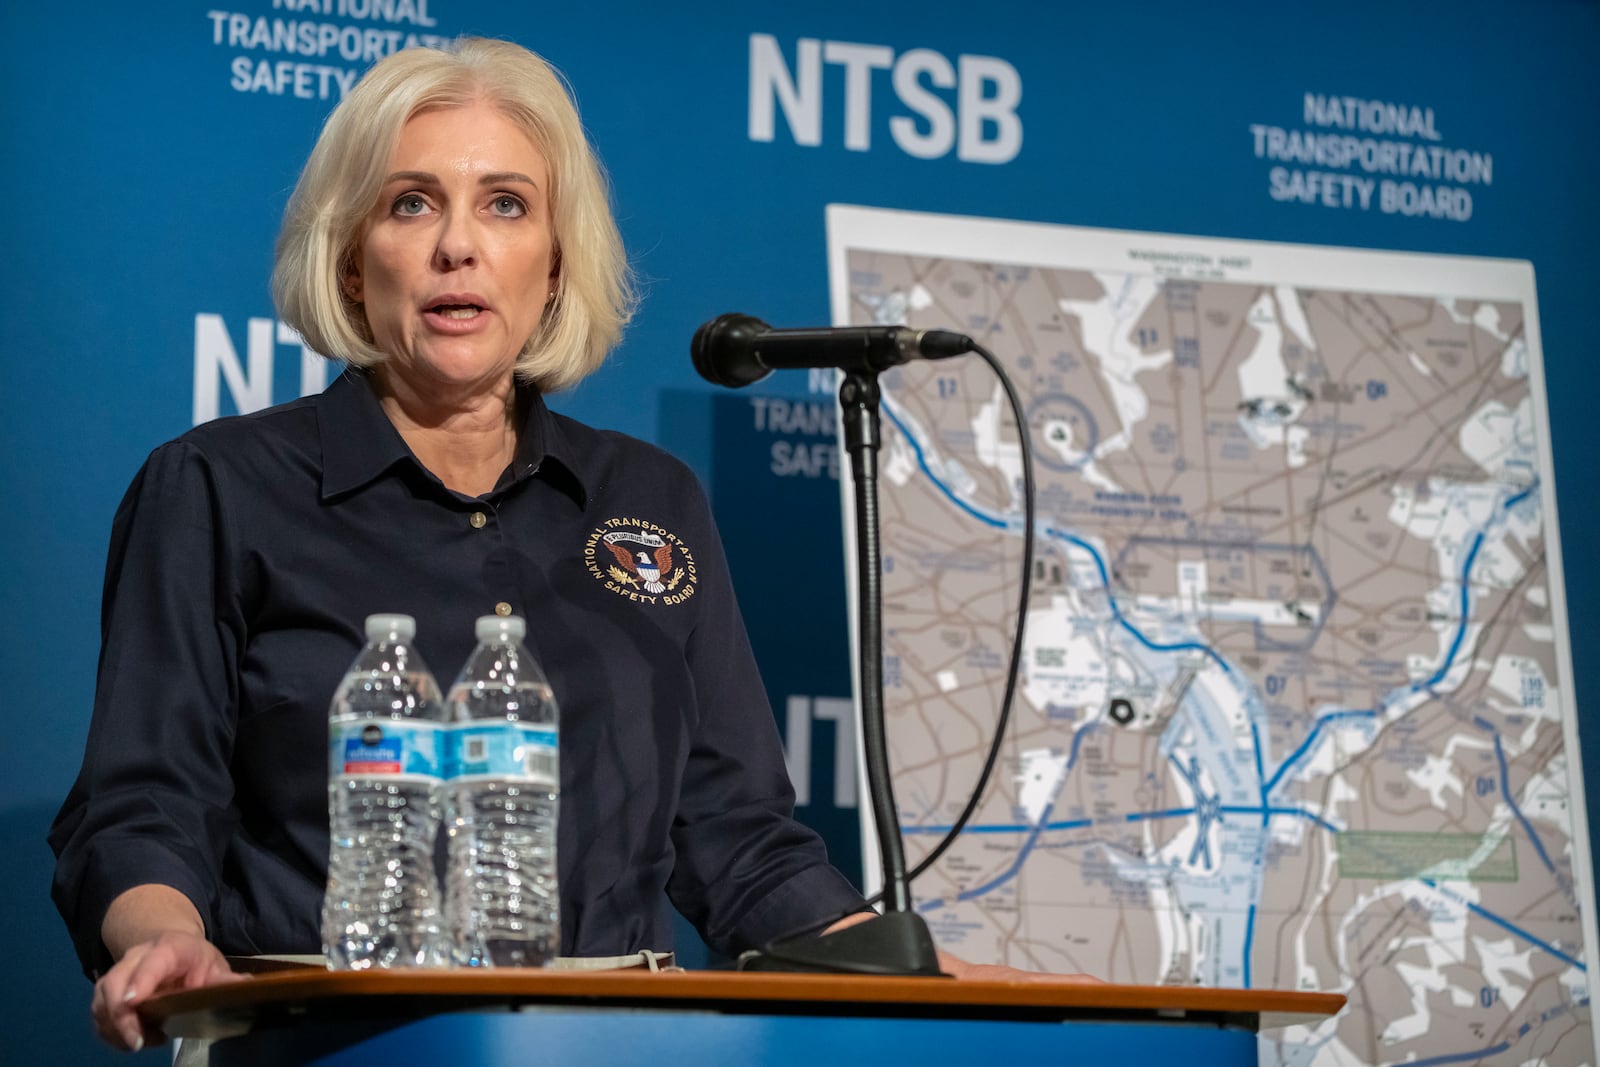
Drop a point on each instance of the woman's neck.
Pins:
(466, 439)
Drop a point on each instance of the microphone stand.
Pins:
(898, 941)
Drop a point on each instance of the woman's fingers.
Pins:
(169, 962)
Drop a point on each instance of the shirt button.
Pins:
(502, 609)
(478, 519)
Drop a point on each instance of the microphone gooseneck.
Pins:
(735, 351)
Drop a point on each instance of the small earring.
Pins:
(552, 295)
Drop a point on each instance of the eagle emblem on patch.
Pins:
(641, 560)
(647, 566)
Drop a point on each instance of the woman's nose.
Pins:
(457, 246)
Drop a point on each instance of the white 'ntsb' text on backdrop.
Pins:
(983, 127)
(250, 382)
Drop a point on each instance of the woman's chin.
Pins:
(453, 368)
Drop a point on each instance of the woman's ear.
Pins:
(350, 276)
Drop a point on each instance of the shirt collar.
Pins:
(359, 443)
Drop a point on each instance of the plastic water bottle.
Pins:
(385, 732)
(501, 805)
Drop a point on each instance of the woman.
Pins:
(450, 240)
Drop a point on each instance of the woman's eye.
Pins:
(507, 205)
(410, 204)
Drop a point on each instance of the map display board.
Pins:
(1295, 708)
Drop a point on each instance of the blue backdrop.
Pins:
(153, 146)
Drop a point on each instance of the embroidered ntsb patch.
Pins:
(642, 561)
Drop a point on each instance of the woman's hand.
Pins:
(159, 943)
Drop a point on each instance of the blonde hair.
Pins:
(341, 181)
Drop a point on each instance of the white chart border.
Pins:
(1046, 245)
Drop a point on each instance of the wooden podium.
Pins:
(726, 1019)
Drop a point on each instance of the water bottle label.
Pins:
(502, 750)
(385, 747)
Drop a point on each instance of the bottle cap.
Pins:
(380, 627)
(500, 628)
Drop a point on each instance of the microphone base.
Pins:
(893, 944)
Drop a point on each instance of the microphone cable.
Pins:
(1029, 507)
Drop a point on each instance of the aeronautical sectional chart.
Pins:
(1296, 708)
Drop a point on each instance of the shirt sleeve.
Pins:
(747, 871)
(152, 802)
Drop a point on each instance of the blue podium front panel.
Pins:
(549, 1037)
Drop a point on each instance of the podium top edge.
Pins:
(200, 1012)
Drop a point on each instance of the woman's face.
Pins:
(455, 262)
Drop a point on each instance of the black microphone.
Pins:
(736, 350)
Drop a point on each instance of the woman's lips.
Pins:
(457, 318)
(457, 313)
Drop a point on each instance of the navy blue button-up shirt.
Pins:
(243, 561)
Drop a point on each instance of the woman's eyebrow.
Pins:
(422, 177)
(502, 176)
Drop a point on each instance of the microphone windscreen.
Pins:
(723, 350)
